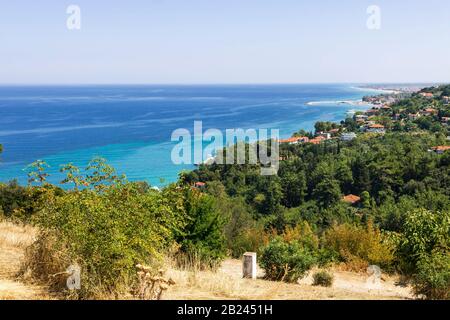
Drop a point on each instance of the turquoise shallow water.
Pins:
(131, 126)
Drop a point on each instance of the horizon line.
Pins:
(225, 83)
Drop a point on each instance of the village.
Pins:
(384, 116)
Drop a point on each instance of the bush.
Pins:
(358, 247)
(286, 261)
(106, 233)
(202, 239)
(423, 252)
(433, 276)
(424, 231)
(250, 240)
(302, 233)
(239, 225)
(323, 278)
(17, 201)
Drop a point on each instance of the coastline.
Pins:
(132, 158)
(358, 103)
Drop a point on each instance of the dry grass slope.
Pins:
(14, 239)
(226, 283)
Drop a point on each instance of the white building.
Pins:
(348, 136)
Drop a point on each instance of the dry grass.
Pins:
(227, 283)
(16, 235)
(14, 239)
(194, 283)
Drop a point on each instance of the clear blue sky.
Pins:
(224, 41)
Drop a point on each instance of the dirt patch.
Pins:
(227, 283)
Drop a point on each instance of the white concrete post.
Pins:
(249, 265)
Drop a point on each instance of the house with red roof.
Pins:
(317, 140)
(440, 149)
(429, 112)
(351, 199)
(295, 140)
(376, 128)
(199, 185)
(427, 94)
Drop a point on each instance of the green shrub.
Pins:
(424, 231)
(107, 233)
(323, 278)
(105, 225)
(422, 252)
(238, 226)
(19, 202)
(202, 239)
(249, 240)
(432, 279)
(286, 261)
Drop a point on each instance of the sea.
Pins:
(131, 125)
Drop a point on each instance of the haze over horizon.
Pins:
(224, 42)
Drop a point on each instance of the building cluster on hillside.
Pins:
(383, 116)
(382, 99)
(368, 119)
(318, 138)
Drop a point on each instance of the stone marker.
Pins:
(249, 265)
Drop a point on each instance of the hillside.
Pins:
(373, 190)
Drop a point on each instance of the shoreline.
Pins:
(356, 103)
(380, 90)
(170, 174)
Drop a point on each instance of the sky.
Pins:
(224, 41)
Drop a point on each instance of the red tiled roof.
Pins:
(200, 184)
(440, 148)
(294, 139)
(351, 198)
(377, 126)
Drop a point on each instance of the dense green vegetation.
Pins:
(394, 173)
(108, 225)
(294, 220)
(395, 176)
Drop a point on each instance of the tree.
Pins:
(327, 192)
(202, 238)
(365, 199)
(294, 189)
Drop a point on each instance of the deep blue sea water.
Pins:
(131, 126)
